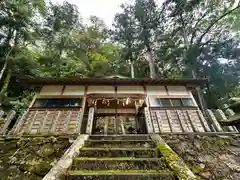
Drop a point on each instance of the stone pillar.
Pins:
(148, 120)
(221, 116)
(90, 120)
(1, 113)
(213, 120)
(230, 112)
(9, 118)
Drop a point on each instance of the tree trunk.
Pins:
(5, 63)
(151, 63)
(5, 86)
(4, 68)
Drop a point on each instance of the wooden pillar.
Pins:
(90, 120)
(122, 126)
(106, 122)
(82, 110)
(79, 121)
(148, 121)
(9, 118)
(18, 123)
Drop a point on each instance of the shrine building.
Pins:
(113, 106)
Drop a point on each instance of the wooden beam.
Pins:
(203, 122)
(8, 120)
(60, 96)
(190, 120)
(20, 122)
(79, 120)
(53, 128)
(90, 120)
(169, 120)
(160, 122)
(180, 121)
(40, 130)
(31, 122)
(67, 121)
(33, 100)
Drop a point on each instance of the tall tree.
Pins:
(198, 23)
(17, 25)
(18, 28)
(58, 26)
(147, 16)
(125, 34)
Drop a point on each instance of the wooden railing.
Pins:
(50, 121)
(71, 121)
(178, 120)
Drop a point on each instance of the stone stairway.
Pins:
(119, 157)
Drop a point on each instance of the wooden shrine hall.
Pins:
(112, 106)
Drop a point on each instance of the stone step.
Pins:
(120, 163)
(120, 137)
(118, 152)
(120, 175)
(120, 143)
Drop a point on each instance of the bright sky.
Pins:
(104, 9)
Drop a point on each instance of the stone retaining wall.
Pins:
(30, 158)
(209, 157)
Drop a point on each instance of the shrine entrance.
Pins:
(118, 115)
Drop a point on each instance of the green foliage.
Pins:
(173, 38)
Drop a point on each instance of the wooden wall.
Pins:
(46, 121)
(178, 120)
(68, 120)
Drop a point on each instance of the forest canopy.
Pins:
(172, 39)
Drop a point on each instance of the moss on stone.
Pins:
(29, 158)
(209, 157)
(196, 168)
(1, 120)
(175, 163)
(117, 171)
